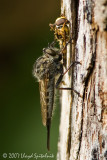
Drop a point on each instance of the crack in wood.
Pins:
(89, 70)
(69, 135)
(80, 138)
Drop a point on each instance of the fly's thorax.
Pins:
(47, 64)
(41, 67)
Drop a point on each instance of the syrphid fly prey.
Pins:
(61, 29)
(46, 69)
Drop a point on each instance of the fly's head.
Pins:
(61, 29)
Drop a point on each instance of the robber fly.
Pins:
(61, 29)
(46, 69)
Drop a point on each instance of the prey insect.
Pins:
(61, 29)
(46, 69)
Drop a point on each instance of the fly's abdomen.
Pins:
(51, 98)
(50, 108)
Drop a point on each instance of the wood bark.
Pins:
(83, 122)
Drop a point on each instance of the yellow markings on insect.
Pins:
(61, 29)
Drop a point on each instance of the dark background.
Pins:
(24, 31)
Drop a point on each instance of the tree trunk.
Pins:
(83, 123)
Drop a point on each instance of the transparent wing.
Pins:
(43, 99)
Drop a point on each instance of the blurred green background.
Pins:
(24, 31)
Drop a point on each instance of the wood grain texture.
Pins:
(83, 125)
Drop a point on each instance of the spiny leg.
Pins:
(66, 44)
(52, 44)
(71, 89)
(75, 62)
(61, 76)
(63, 50)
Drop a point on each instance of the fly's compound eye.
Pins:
(61, 20)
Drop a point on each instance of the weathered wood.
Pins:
(83, 124)
(66, 100)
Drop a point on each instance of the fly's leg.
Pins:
(63, 50)
(59, 81)
(52, 44)
(61, 77)
(66, 45)
(71, 89)
(75, 62)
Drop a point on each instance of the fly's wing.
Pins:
(43, 99)
(47, 100)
